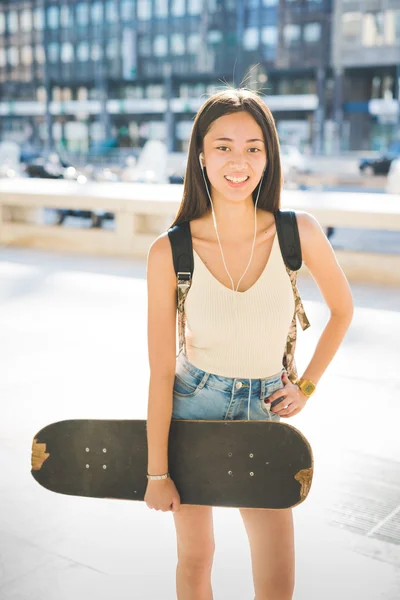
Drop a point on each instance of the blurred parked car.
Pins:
(10, 154)
(150, 167)
(380, 165)
(293, 163)
(54, 166)
(393, 178)
(176, 174)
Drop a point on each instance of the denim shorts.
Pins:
(200, 395)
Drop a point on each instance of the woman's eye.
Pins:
(258, 149)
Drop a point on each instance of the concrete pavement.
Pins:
(73, 333)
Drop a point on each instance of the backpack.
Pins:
(289, 242)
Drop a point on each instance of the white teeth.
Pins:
(236, 179)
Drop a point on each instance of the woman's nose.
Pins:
(238, 162)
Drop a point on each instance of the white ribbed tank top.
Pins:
(239, 334)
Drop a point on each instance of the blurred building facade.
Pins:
(78, 72)
(366, 66)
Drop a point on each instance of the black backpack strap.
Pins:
(289, 239)
(180, 238)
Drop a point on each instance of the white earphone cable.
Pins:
(222, 253)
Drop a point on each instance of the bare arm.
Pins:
(321, 261)
(161, 332)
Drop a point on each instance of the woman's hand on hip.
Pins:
(293, 399)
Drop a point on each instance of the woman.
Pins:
(239, 309)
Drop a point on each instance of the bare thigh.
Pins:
(195, 534)
(271, 539)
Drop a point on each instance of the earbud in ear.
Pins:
(201, 156)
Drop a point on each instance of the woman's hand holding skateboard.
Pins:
(162, 495)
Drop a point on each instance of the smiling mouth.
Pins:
(238, 180)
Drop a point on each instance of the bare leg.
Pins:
(196, 547)
(271, 538)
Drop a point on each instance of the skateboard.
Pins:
(244, 464)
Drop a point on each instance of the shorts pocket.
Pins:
(187, 385)
(270, 389)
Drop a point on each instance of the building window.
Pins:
(155, 91)
(160, 45)
(53, 52)
(177, 44)
(178, 8)
(67, 52)
(373, 29)
(13, 57)
(26, 55)
(38, 19)
(112, 49)
(111, 12)
(195, 7)
(12, 21)
(56, 94)
(251, 38)
(161, 8)
(351, 25)
(3, 59)
(82, 94)
(82, 52)
(66, 95)
(41, 94)
(396, 22)
(65, 16)
(291, 34)
(127, 10)
(82, 13)
(312, 32)
(97, 12)
(214, 36)
(144, 46)
(193, 43)
(26, 20)
(269, 36)
(52, 17)
(40, 55)
(144, 10)
(96, 52)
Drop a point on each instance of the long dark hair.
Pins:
(195, 201)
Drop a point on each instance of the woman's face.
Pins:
(234, 148)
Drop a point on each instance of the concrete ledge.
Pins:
(142, 212)
(367, 267)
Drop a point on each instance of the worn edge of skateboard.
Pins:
(304, 476)
(39, 454)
